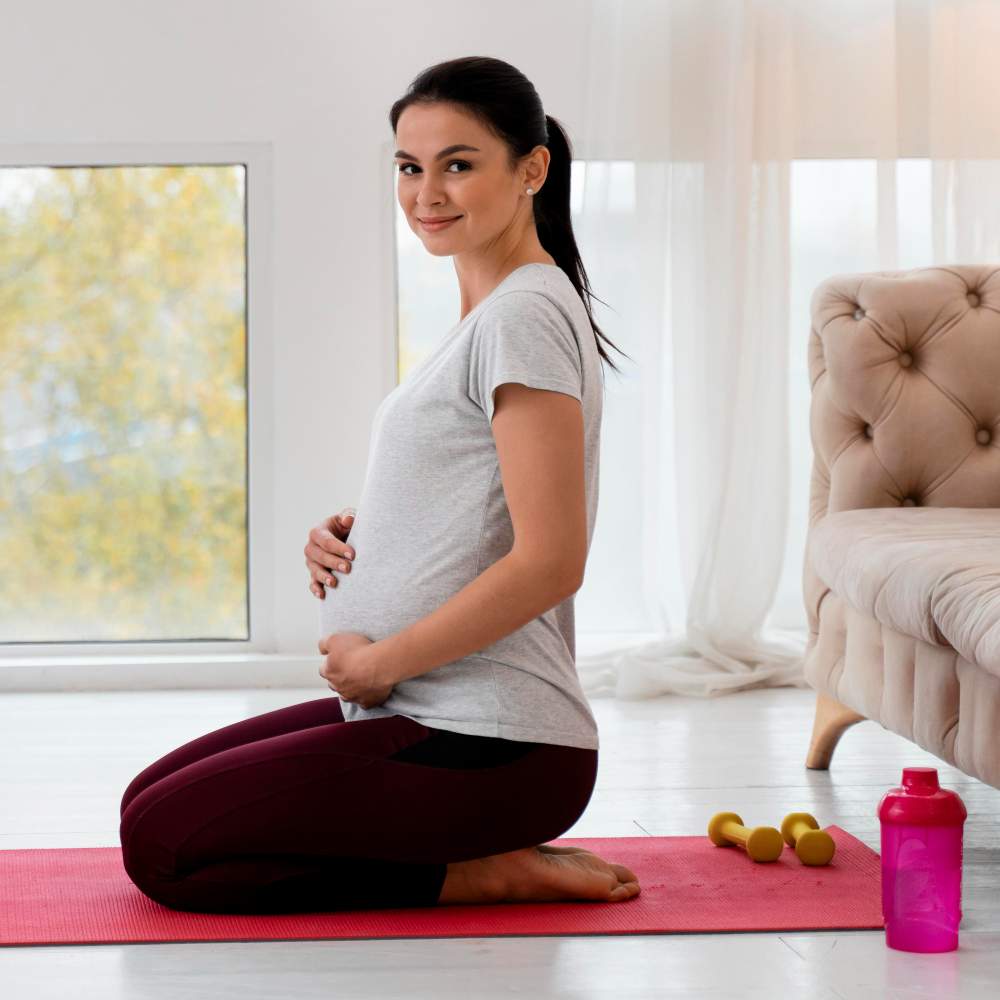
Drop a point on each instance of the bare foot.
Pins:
(624, 874)
(534, 875)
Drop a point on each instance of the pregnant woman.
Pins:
(460, 740)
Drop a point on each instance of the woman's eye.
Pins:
(461, 163)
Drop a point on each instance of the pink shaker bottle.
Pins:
(921, 863)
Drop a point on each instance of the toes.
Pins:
(624, 874)
(625, 891)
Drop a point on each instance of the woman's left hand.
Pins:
(352, 670)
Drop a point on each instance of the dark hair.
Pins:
(506, 103)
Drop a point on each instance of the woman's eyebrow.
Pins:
(402, 155)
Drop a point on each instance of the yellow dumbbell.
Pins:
(812, 845)
(762, 843)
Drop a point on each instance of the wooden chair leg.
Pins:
(832, 720)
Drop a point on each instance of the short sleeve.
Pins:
(523, 337)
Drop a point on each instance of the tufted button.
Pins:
(983, 436)
(909, 502)
(859, 313)
(906, 359)
(869, 431)
(973, 298)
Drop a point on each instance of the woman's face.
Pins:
(474, 184)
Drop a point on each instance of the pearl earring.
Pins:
(530, 191)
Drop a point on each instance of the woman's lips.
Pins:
(434, 226)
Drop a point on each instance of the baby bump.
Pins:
(370, 600)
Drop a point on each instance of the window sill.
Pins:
(193, 671)
(142, 672)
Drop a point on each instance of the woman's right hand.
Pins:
(327, 551)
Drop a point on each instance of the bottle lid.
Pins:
(920, 780)
(921, 801)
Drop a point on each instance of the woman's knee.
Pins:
(134, 787)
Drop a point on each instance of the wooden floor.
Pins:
(666, 766)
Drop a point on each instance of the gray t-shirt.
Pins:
(432, 515)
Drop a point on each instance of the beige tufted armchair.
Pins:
(902, 565)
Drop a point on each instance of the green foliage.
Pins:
(122, 403)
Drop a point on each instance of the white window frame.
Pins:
(159, 664)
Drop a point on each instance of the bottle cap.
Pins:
(921, 801)
(920, 780)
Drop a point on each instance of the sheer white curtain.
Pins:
(698, 108)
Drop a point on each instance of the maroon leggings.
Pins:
(296, 811)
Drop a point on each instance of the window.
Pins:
(123, 403)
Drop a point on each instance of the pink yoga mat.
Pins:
(83, 896)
